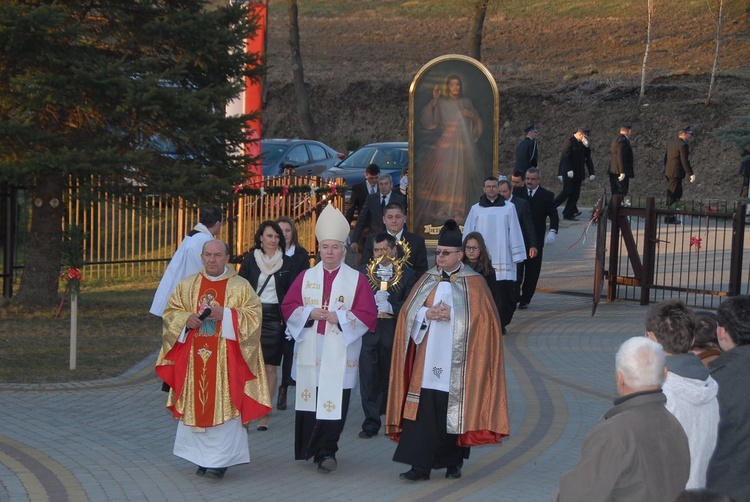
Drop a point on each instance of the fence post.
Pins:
(735, 261)
(8, 195)
(649, 250)
(614, 249)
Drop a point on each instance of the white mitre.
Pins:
(331, 225)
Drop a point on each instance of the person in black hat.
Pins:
(441, 402)
(621, 167)
(676, 167)
(527, 151)
(575, 158)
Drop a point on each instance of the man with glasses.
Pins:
(447, 385)
(498, 223)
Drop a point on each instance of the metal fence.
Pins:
(134, 237)
(700, 260)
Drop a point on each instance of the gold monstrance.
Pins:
(382, 276)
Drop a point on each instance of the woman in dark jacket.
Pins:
(300, 262)
(269, 272)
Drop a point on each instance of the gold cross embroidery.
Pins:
(306, 395)
(329, 406)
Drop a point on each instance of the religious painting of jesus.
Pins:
(453, 136)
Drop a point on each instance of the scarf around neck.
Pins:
(268, 266)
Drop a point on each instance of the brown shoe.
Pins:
(281, 400)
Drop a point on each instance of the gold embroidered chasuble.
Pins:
(213, 379)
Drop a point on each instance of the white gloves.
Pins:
(560, 178)
(592, 177)
(621, 177)
(381, 300)
(692, 178)
(550, 239)
(570, 174)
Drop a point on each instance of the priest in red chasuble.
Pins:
(447, 385)
(328, 308)
(211, 360)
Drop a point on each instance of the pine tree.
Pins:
(130, 91)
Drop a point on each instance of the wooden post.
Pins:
(73, 328)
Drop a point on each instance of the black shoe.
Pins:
(505, 330)
(453, 472)
(327, 464)
(201, 471)
(215, 473)
(577, 213)
(571, 219)
(414, 475)
(672, 220)
(262, 428)
(367, 434)
(523, 306)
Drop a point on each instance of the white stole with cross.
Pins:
(321, 360)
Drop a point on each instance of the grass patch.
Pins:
(115, 331)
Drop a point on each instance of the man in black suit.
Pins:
(542, 205)
(375, 357)
(676, 167)
(621, 167)
(527, 151)
(395, 219)
(371, 216)
(574, 160)
(361, 190)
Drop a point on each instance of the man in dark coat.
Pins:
(574, 160)
(375, 358)
(370, 219)
(676, 167)
(542, 204)
(394, 219)
(728, 468)
(639, 450)
(621, 167)
(527, 151)
(361, 190)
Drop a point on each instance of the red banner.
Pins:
(253, 101)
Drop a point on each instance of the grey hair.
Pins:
(385, 177)
(641, 362)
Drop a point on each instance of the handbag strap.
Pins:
(268, 278)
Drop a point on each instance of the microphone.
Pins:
(205, 314)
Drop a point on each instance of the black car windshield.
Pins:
(389, 157)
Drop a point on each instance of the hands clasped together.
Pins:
(439, 312)
(324, 315)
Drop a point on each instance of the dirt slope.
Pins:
(558, 74)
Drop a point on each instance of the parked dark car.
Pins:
(305, 156)
(391, 158)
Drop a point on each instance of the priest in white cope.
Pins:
(497, 221)
(327, 309)
(187, 259)
(211, 360)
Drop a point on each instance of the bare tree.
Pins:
(716, 54)
(648, 46)
(309, 129)
(475, 35)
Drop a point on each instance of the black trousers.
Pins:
(674, 191)
(570, 193)
(619, 187)
(506, 300)
(318, 438)
(286, 364)
(425, 443)
(374, 373)
(527, 275)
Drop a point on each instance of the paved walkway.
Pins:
(112, 440)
